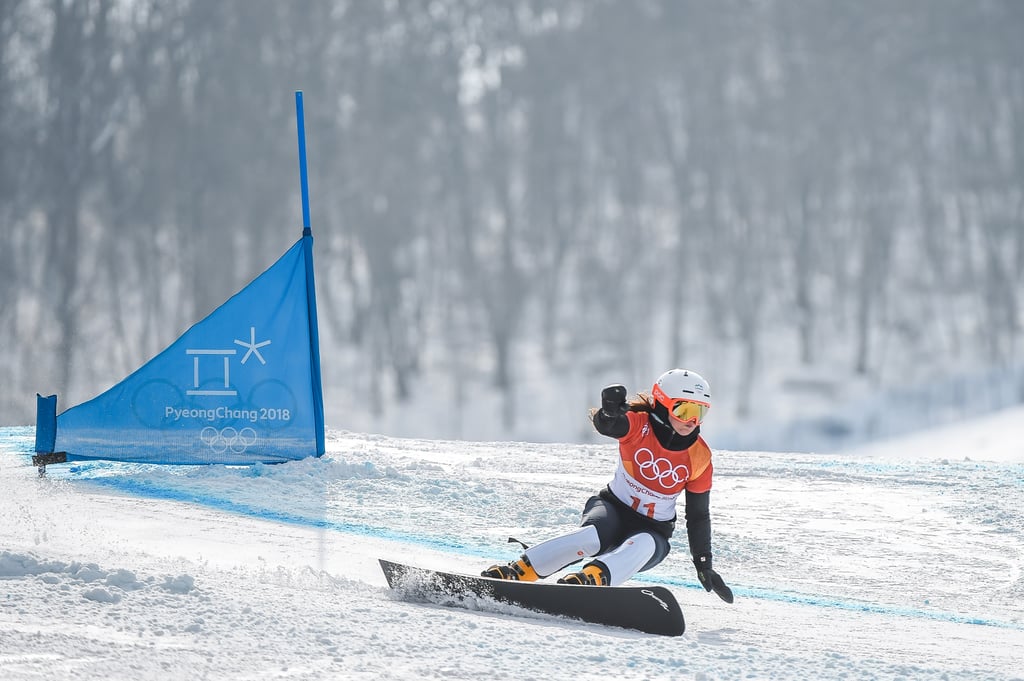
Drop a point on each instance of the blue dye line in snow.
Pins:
(855, 606)
(148, 489)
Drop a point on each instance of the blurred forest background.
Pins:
(817, 205)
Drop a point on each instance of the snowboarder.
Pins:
(626, 527)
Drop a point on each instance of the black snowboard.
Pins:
(651, 609)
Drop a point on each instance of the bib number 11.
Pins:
(649, 508)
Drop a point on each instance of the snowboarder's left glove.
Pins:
(711, 580)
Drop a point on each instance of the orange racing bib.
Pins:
(650, 478)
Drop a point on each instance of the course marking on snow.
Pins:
(136, 480)
(149, 489)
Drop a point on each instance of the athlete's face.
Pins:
(680, 426)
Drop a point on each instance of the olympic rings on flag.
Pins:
(228, 438)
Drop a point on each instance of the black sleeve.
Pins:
(612, 425)
(698, 525)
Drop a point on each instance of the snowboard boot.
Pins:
(519, 570)
(594, 573)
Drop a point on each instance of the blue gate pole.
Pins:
(300, 123)
(307, 238)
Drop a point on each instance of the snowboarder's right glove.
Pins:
(710, 580)
(613, 400)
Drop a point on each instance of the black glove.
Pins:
(710, 580)
(613, 400)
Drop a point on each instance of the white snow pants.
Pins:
(622, 562)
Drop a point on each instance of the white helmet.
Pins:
(682, 386)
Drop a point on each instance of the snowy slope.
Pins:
(901, 561)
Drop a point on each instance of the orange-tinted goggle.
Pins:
(685, 410)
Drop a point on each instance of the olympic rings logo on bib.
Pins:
(660, 469)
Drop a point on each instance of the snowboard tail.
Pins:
(650, 609)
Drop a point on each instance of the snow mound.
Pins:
(89, 579)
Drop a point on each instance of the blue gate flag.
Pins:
(241, 386)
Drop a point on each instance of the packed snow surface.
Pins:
(899, 561)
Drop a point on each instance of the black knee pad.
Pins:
(661, 549)
(604, 517)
